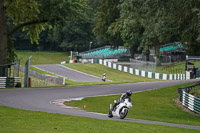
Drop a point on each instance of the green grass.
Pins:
(94, 69)
(176, 67)
(111, 74)
(43, 57)
(21, 121)
(196, 91)
(76, 83)
(171, 68)
(98, 70)
(70, 82)
(156, 105)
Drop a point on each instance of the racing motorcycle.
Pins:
(121, 110)
(104, 78)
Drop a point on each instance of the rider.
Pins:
(123, 97)
(104, 77)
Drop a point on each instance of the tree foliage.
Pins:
(33, 16)
(145, 24)
(68, 24)
(107, 14)
(74, 35)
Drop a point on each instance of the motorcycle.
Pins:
(121, 110)
(104, 78)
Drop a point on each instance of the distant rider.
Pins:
(104, 77)
(123, 97)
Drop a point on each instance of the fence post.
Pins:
(27, 73)
(180, 94)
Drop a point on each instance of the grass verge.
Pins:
(20, 121)
(43, 57)
(156, 105)
(111, 74)
(176, 67)
(69, 82)
(171, 68)
(98, 70)
(196, 91)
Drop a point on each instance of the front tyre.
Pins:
(123, 114)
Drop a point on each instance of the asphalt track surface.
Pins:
(43, 99)
(68, 73)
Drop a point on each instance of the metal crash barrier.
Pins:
(6, 82)
(189, 101)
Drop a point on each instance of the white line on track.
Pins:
(81, 72)
(48, 71)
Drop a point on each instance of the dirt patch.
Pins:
(195, 94)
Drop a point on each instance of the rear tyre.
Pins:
(123, 114)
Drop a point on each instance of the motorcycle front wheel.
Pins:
(123, 114)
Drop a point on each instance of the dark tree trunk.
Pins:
(3, 34)
(147, 56)
(132, 52)
(157, 52)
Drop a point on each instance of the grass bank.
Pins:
(156, 105)
(176, 67)
(196, 91)
(111, 74)
(97, 70)
(43, 57)
(21, 121)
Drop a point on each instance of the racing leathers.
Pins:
(122, 98)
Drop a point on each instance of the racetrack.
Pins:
(39, 99)
(68, 73)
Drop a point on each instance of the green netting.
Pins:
(103, 53)
(171, 48)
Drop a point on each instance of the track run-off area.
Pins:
(43, 99)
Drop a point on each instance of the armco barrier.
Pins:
(7, 82)
(2, 82)
(189, 101)
(141, 72)
(45, 77)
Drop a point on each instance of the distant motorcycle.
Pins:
(120, 110)
(104, 78)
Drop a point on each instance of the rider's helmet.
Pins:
(104, 74)
(129, 93)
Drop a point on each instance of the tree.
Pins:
(186, 23)
(162, 20)
(74, 35)
(3, 34)
(32, 16)
(128, 25)
(147, 24)
(107, 14)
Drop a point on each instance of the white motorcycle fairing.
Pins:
(121, 110)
